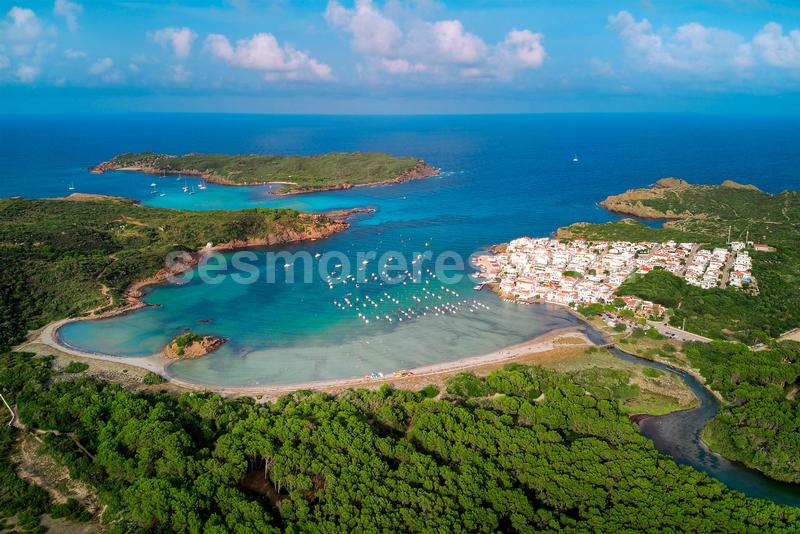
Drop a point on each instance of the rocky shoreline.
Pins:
(337, 222)
(190, 346)
(630, 202)
(421, 170)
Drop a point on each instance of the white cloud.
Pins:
(179, 39)
(777, 49)
(402, 66)
(25, 41)
(453, 44)
(69, 53)
(444, 47)
(101, 66)
(692, 47)
(526, 47)
(21, 25)
(180, 74)
(28, 73)
(104, 70)
(601, 67)
(70, 11)
(264, 53)
(703, 51)
(372, 32)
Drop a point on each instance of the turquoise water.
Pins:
(280, 332)
(503, 176)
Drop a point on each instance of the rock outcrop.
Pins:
(737, 185)
(631, 201)
(190, 346)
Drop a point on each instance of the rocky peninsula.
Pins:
(662, 199)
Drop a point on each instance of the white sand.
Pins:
(158, 363)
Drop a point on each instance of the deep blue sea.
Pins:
(502, 177)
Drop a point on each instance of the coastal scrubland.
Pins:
(297, 174)
(522, 448)
(63, 258)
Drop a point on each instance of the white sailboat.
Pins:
(202, 185)
(575, 158)
(185, 186)
(72, 186)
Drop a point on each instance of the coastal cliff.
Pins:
(294, 174)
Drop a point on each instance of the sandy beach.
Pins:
(158, 363)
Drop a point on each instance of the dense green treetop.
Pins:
(760, 424)
(524, 449)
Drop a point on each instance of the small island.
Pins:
(295, 174)
(189, 346)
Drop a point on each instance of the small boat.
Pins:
(192, 191)
(71, 186)
(162, 195)
(575, 158)
(185, 187)
(202, 185)
(152, 184)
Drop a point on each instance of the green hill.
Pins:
(298, 174)
(64, 257)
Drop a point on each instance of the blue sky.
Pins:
(399, 56)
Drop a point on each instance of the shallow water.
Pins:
(504, 176)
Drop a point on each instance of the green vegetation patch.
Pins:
(75, 367)
(184, 340)
(302, 173)
(152, 379)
